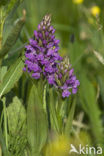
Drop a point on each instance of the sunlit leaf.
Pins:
(11, 77)
(36, 122)
(3, 71)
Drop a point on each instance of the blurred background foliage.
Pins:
(80, 27)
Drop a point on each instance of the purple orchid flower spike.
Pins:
(64, 79)
(41, 54)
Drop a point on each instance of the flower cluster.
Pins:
(64, 78)
(42, 51)
(43, 59)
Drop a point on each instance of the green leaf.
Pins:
(90, 105)
(13, 36)
(16, 116)
(11, 77)
(36, 123)
(3, 71)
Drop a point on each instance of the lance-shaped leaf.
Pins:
(11, 77)
(13, 36)
(36, 123)
(3, 71)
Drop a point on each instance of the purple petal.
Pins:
(46, 33)
(50, 52)
(40, 35)
(40, 57)
(45, 62)
(30, 56)
(56, 49)
(64, 87)
(50, 45)
(36, 75)
(39, 27)
(53, 31)
(51, 28)
(24, 69)
(77, 83)
(33, 42)
(29, 47)
(56, 41)
(51, 79)
(43, 49)
(74, 90)
(57, 56)
(71, 72)
(60, 76)
(44, 42)
(44, 27)
(32, 66)
(65, 93)
(52, 37)
(49, 69)
(35, 33)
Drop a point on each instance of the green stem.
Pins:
(59, 103)
(44, 99)
(70, 119)
(1, 120)
(59, 112)
(53, 111)
(1, 27)
(40, 90)
(5, 122)
(3, 146)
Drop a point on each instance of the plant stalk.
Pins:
(5, 122)
(1, 27)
